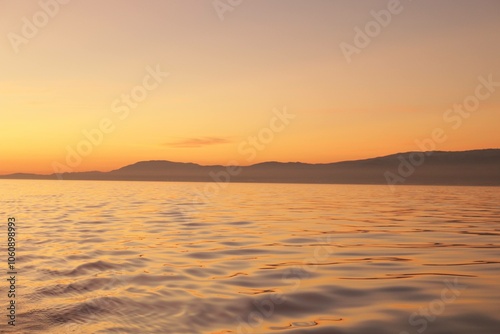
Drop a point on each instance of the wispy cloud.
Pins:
(198, 142)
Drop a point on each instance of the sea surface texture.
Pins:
(139, 257)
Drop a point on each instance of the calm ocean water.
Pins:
(138, 257)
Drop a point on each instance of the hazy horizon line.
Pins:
(249, 165)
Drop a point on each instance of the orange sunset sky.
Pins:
(226, 76)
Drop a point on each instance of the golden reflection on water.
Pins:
(138, 257)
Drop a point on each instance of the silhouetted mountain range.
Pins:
(476, 167)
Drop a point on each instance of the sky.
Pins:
(96, 85)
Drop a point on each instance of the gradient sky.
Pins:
(226, 76)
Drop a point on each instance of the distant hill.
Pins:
(477, 167)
